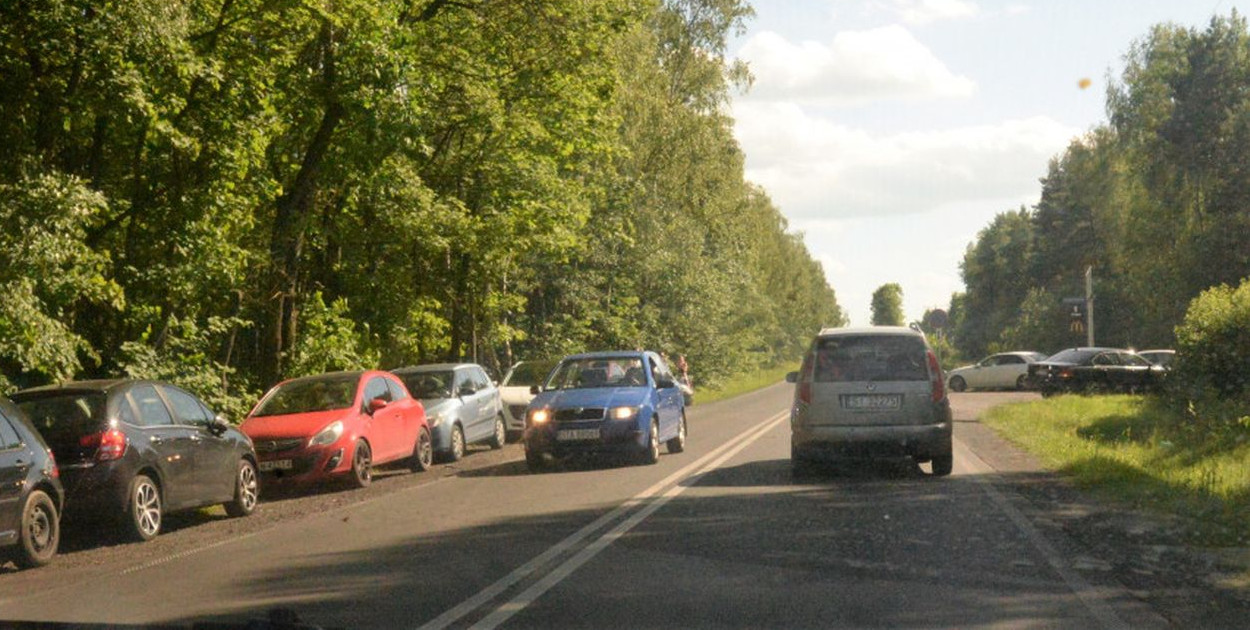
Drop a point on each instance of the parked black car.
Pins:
(1092, 370)
(134, 450)
(31, 496)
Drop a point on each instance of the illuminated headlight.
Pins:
(623, 413)
(328, 435)
(540, 416)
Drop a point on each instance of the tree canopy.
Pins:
(225, 193)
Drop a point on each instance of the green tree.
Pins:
(887, 305)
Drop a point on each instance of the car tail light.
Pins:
(805, 380)
(935, 377)
(109, 445)
(56, 470)
(1065, 373)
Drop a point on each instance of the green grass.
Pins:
(743, 384)
(1136, 450)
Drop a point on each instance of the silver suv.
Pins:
(870, 392)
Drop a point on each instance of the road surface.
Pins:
(718, 536)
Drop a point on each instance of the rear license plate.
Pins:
(276, 464)
(873, 402)
(577, 435)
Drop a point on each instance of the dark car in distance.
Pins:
(1095, 370)
(135, 450)
(30, 492)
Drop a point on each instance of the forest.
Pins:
(1155, 202)
(225, 193)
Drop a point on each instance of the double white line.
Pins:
(641, 505)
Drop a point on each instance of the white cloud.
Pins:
(856, 67)
(928, 11)
(815, 168)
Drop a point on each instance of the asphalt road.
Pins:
(718, 536)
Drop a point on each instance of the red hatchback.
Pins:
(338, 425)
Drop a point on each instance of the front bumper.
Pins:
(612, 437)
(305, 465)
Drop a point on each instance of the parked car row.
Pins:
(127, 452)
(1072, 370)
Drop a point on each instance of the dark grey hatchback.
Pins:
(133, 450)
(30, 493)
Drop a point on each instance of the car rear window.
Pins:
(846, 358)
(64, 419)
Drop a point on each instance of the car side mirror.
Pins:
(466, 390)
(378, 404)
(536, 389)
(666, 383)
(218, 425)
(792, 377)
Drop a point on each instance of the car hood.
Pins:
(593, 397)
(292, 425)
(435, 406)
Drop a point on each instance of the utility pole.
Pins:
(1089, 306)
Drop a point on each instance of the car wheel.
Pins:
(144, 509)
(651, 453)
(41, 531)
(456, 451)
(958, 384)
(500, 437)
(246, 491)
(943, 464)
(423, 452)
(362, 465)
(536, 461)
(1022, 382)
(678, 444)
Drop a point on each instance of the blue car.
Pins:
(606, 402)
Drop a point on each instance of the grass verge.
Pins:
(1136, 450)
(744, 383)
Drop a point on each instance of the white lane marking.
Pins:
(520, 573)
(558, 574)
(1095, 600)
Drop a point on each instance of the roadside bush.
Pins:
(1212, 367)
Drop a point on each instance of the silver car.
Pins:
(870, 392)
(462, 406)
(1005, 370)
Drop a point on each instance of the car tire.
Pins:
(246, 491)
(1022, 382)
(958, 384)
(536, 461)
(454, 452)
(500, 436)
(41, 531)
(144, 511)
(678, 444)
(362, 465)
(422, 452)
(943, 464)
(651, 451)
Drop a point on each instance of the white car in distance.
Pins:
(515, 392)
(1005, 370)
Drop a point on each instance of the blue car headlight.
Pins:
(623, 413)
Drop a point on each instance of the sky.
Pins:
(890, 132)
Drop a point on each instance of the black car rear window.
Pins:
(846, 358)
(1074, 356)
(63, 419)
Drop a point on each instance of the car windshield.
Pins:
(598, 372)
(64, 418)
(847, 358)
(430, 384)
(527, 373)
(310, 394)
